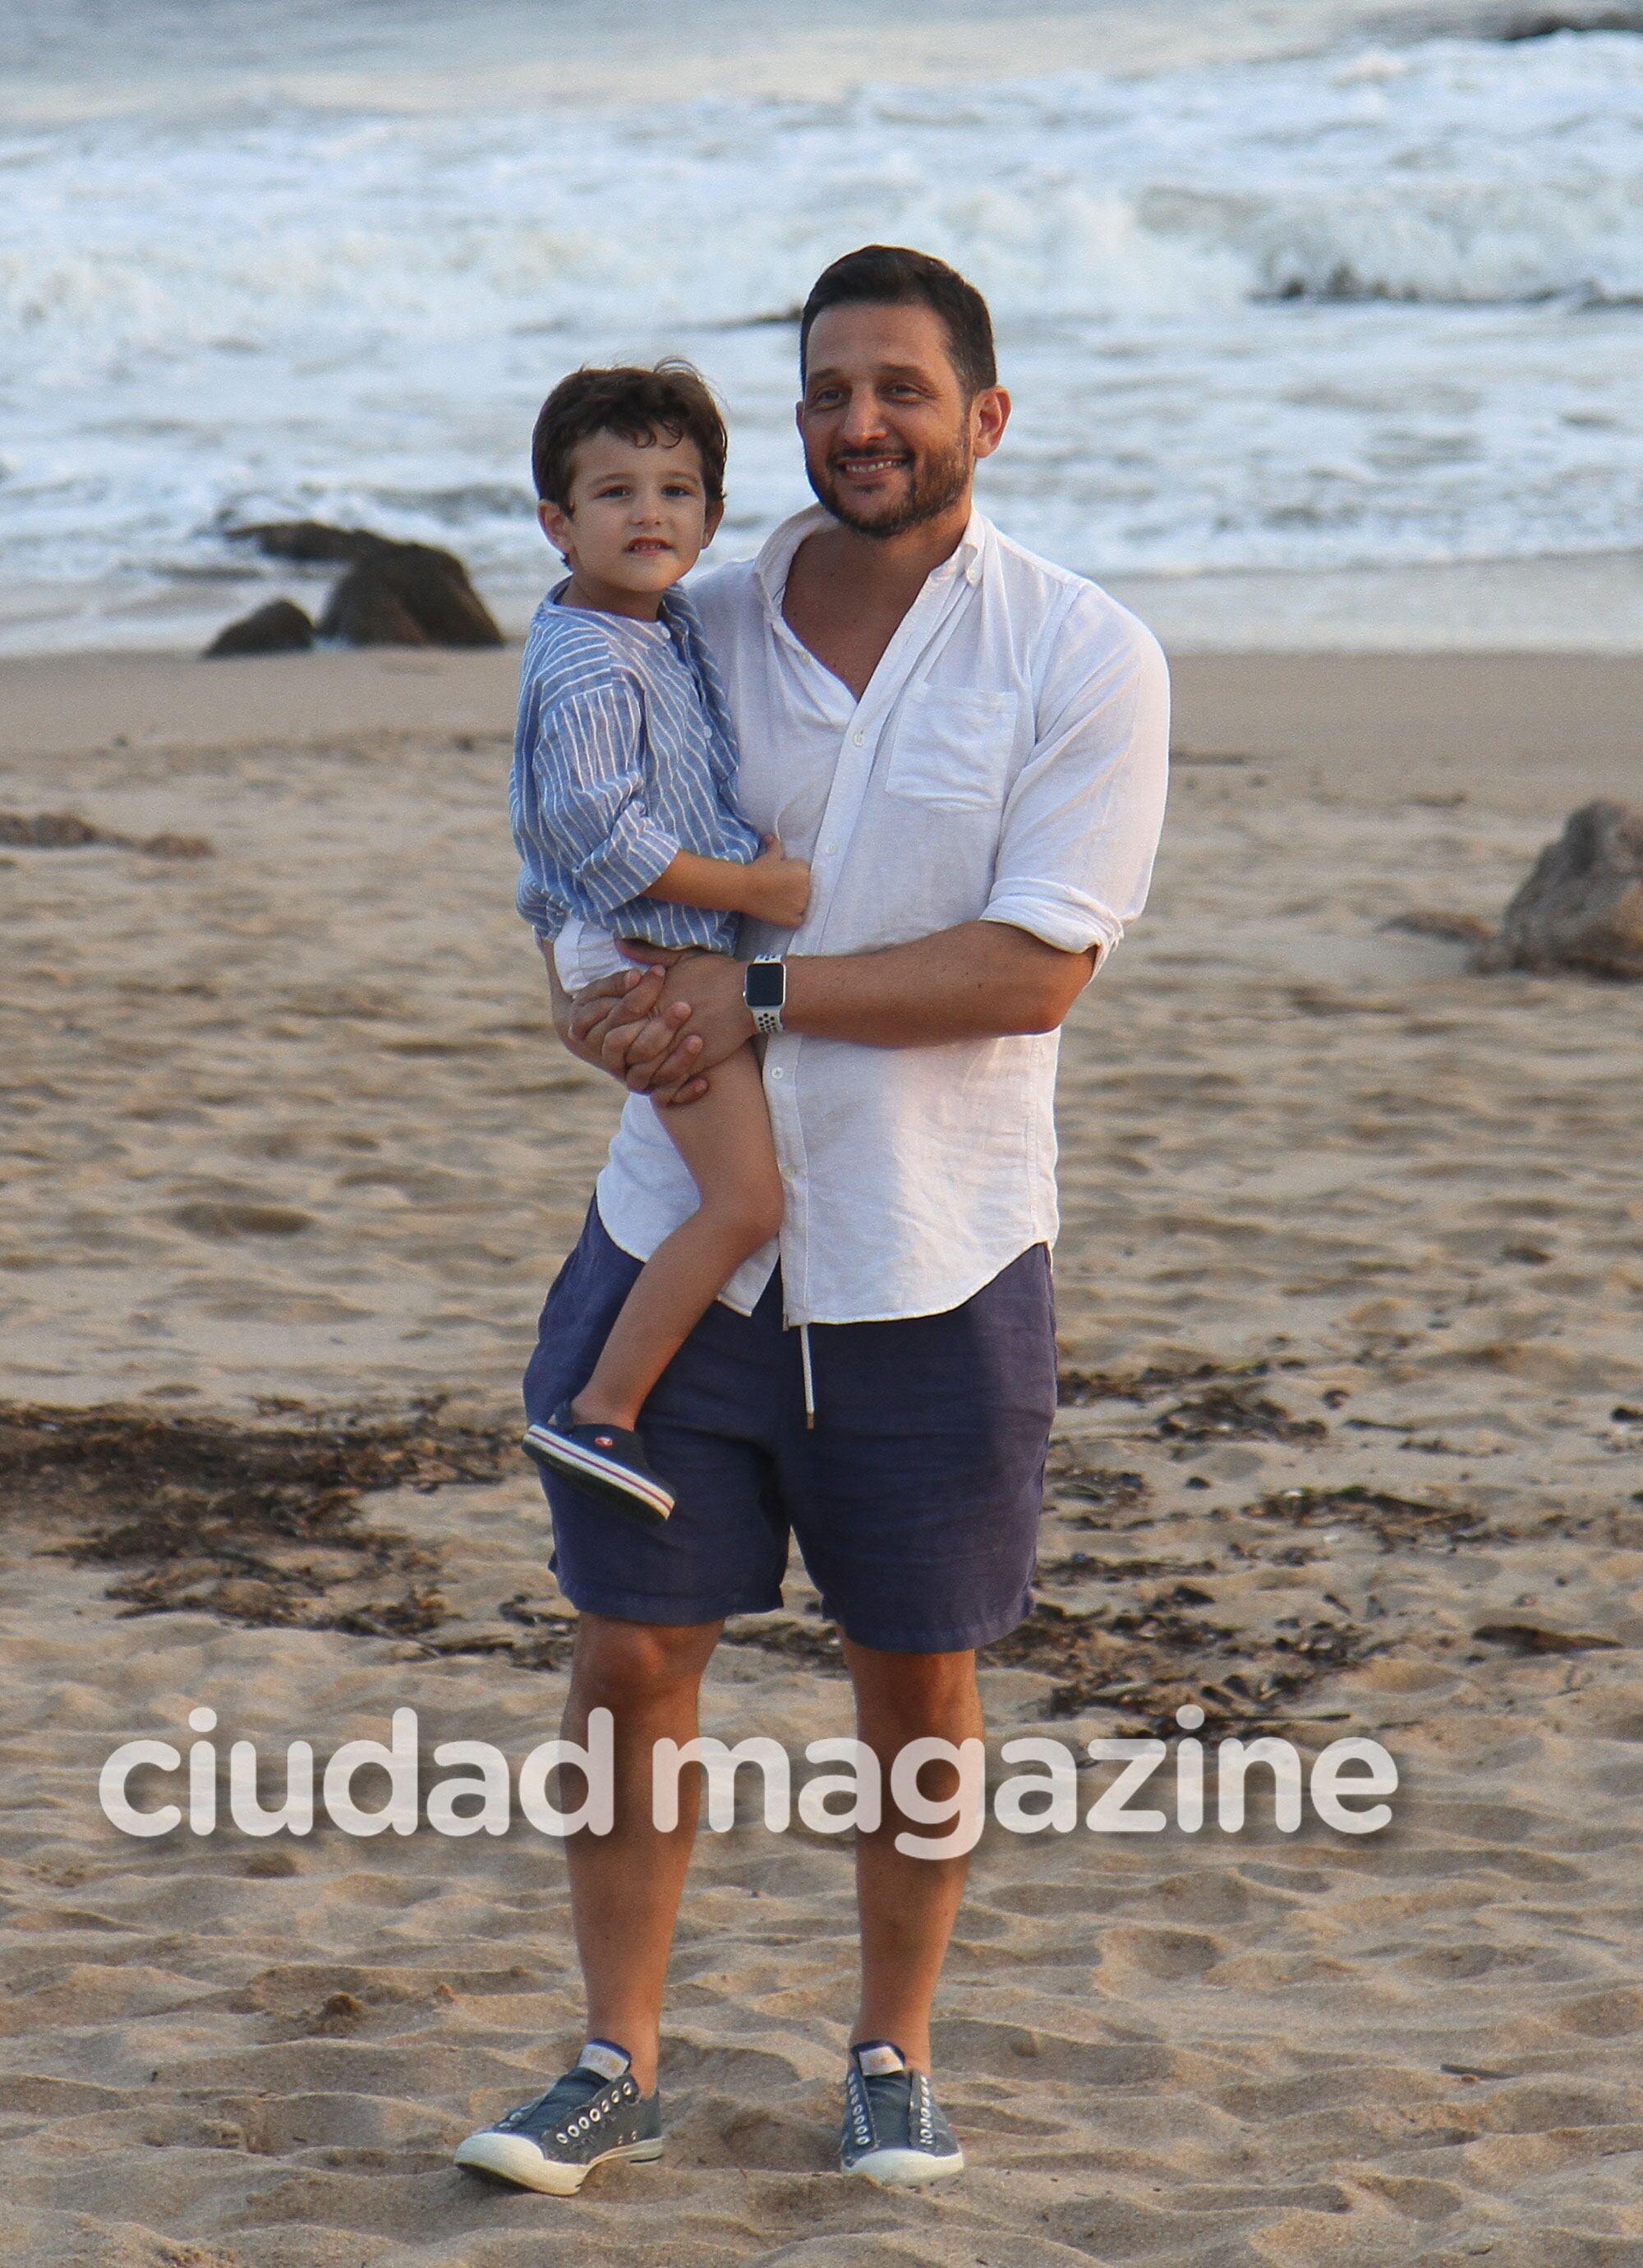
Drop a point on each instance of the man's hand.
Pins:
(614, 1025)
(704, 993)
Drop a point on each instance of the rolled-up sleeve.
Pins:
(1082, 818)
(585, 837)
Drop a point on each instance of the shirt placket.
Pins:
(839, 818)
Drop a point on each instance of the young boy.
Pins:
(624, 810)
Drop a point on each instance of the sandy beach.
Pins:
(1350, 1279)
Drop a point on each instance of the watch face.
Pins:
(766, 984)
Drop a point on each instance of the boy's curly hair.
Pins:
(672, 399)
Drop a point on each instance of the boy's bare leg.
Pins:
(625, 1887)
(908, 1906)
(726, 1140)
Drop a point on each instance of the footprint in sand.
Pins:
(224, 1217)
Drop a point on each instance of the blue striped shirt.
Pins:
(624, 755)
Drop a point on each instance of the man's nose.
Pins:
(864, 417)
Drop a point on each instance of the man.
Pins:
(969, 746)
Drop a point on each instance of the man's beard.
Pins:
(937, 485)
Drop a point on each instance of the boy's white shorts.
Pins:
(582, 955)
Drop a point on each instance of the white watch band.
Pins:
(767, 1021)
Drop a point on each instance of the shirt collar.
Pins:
(624, 625)
(775, 557)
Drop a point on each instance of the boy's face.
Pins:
(638, 516)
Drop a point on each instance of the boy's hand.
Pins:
(778, 887)
(612, 1025)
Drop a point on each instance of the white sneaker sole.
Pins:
(550, 1448)
(511, 2158)
(906, 2169)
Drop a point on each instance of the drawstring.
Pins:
(810, 1384)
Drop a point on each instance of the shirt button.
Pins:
(859, 738)
(777, 1072)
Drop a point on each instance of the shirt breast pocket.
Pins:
(952, 750)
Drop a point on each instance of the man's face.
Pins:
(890, 440)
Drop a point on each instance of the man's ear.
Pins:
(557, 525)
(711, 521)
(989, 415)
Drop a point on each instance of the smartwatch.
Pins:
(764, 988)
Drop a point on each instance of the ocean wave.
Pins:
(1455, 171)
(323, 308)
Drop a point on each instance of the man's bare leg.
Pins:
(625, 1887)
(908, 1906)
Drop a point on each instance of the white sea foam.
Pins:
(1354, 308)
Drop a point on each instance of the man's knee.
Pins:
(621, 1665)
(917, 1692)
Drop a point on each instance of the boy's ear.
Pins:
(557, 525)
(711, 521)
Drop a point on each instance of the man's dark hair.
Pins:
(636, 405)
(889, 276)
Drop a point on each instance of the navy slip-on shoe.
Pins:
(894, 2131)
(606, 1462)
(594, 2115)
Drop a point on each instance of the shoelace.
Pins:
(561, 2102)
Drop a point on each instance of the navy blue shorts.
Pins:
(915, 1499)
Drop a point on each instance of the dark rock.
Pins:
(1545, 23)
(1581, 907)
(309, 541)
(281, 627)
(393, 594)
(408, 594)
(364, 611)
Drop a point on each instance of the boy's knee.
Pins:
(751, 1214)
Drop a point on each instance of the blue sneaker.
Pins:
(894, 2131)
(594, 2114)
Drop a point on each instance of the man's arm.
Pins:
(981, 979)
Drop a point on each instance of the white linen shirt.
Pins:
(1007, 762)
